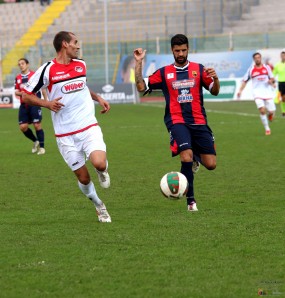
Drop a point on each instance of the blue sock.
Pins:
(186, 170)
(41, 137)
(29, 134)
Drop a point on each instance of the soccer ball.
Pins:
(174, 185)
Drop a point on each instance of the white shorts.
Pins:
(267, 103)
(76, 149)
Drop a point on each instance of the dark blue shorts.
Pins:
(198, 138)
(29, 114)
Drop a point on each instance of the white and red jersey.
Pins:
(69, 82)
(260, 81)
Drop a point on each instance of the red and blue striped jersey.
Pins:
(21, 80)
(182, 89)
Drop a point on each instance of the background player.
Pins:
(262, 86)
(279, 70)
(76, 128)
(29, 114)
(185, 116)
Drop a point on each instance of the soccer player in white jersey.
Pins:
(263, 92)
(73, 115)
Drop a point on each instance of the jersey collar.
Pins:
(181, 68)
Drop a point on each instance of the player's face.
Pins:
(180, 54)
(257, 60)
(283, 57)
(72, 48)
(24, 67)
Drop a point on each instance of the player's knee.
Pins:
(211, 165)
(38, 125)
(100, 165)
(186, 155)
(23, 127)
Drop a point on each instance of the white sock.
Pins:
(264, 121)
(90, 192)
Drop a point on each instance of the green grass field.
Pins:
(53, 246)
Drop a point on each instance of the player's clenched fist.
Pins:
(139, 54)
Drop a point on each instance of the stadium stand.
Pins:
(132, 23)
(263, 16)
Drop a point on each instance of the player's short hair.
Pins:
(60, 37)
(24, 59)
(256, 53)
(283, 51)
(178, 40)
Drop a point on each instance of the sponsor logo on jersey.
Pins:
(62, 77)
(185, 96)
(59, 72)
(73, 87)
(256, 73)
(183, 84)
(78, 69)
(170, 75)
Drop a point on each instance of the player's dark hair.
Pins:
(24, 59)
(255, 54)
(60, 37)
(178, 40)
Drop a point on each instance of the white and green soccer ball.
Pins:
(174, 185)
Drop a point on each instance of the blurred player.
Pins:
(71, 102)
(29, 114)
(185, 115)
(263, 93)
(279, 70)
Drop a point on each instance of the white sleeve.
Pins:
(270, 74)
(247, 76)
(39, 80)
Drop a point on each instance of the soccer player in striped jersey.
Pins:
(262, 87)
(29, 114)
(185, 115)
(78, 135)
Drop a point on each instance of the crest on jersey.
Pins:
(78, 69)
(170, 75)
(72, 87)
(194, 73)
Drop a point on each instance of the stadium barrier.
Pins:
(117, 93)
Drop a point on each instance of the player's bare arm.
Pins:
(242, 86)
(44, 92)
(102, 102)
(272, 82)
(216, 86)
(53, 105)
(18, 92)
(139, 55)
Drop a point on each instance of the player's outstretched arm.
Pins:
(242, 86)
(102, 102)
(216, 86)
(33, 100)
(139, 55)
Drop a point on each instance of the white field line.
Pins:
(210, 111)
